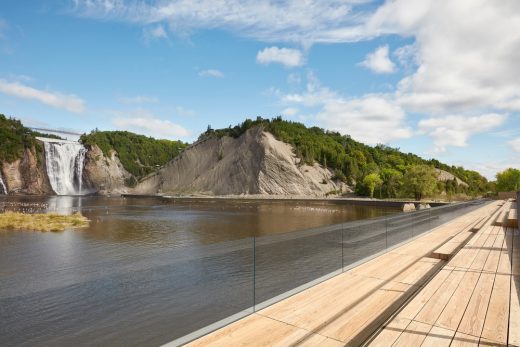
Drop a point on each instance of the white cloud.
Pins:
(490, 167)
(290, 21)
(371, 119)
(462, 58)
(155, 33)
(456, 130)
(138, 99)
(211, 73)
(465, 67)
(378, 61)
(294, 78)
(70, 103)
(314, 94)
(515, 144)
(407, 55)
(286, 56)
(144, 122)
(290, 111)
(468, 67)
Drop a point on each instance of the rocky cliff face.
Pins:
(444, 176)
(105, 175)
(27, 176)
(254, 164)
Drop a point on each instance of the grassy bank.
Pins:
(41, 221)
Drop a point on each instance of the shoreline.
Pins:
(352, 200)
(257, 197)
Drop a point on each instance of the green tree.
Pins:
(139, 154)
(420, 181)
(371, 181)
(392, 181)
(508, 180)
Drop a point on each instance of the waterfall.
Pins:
(3, 188)
(64, 165)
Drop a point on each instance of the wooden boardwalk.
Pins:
(428, 298)
(472, 301)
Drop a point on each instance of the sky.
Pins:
(439, 78)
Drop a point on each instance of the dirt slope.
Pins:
(255, 163)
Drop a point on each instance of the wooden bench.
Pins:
(448, 250)
(473, 301)
(501, 218)
(479, 224)
(512, 219)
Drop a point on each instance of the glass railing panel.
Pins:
(362, 240)
(400, 228)
(207, 285)
(151, 298)
(286, 262)
(422, 221)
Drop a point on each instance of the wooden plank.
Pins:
(512, 219)
(480, 224)
(499, 221)
(315, 299)
(390, 333)
(483, 253)
(438, 337)
(465, 257)
(497, 317)
(505, 262)
(233, 331)
(491, 264)
(419, 272)
(514, 312)
(387, 267)
(417, 303)
(309, 311)
(475, 314)
(454, 310)
(446, 251)
(488, 343)
(358, 323)
(515, 267)
(464, 340)
(414, 334)
(433, 308)
(463, 236)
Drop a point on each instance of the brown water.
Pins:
(146, 270)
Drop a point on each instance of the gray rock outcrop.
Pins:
(253, 164)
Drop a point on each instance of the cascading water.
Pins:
(64, 165)
(3, 188)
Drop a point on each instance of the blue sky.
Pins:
(436, 78)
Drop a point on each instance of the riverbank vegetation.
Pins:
(15, 138)
(139, 154)
(380, 171)
(508, 180)
(41, 221)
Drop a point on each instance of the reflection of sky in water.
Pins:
(155, 222)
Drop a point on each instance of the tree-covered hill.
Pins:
(353, 161)
(139, 154)
(14, 137)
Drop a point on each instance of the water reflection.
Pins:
(177, 222)
(146, 270)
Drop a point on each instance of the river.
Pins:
(147, 270)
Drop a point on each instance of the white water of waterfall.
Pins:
(3, 188)
(64, 161)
